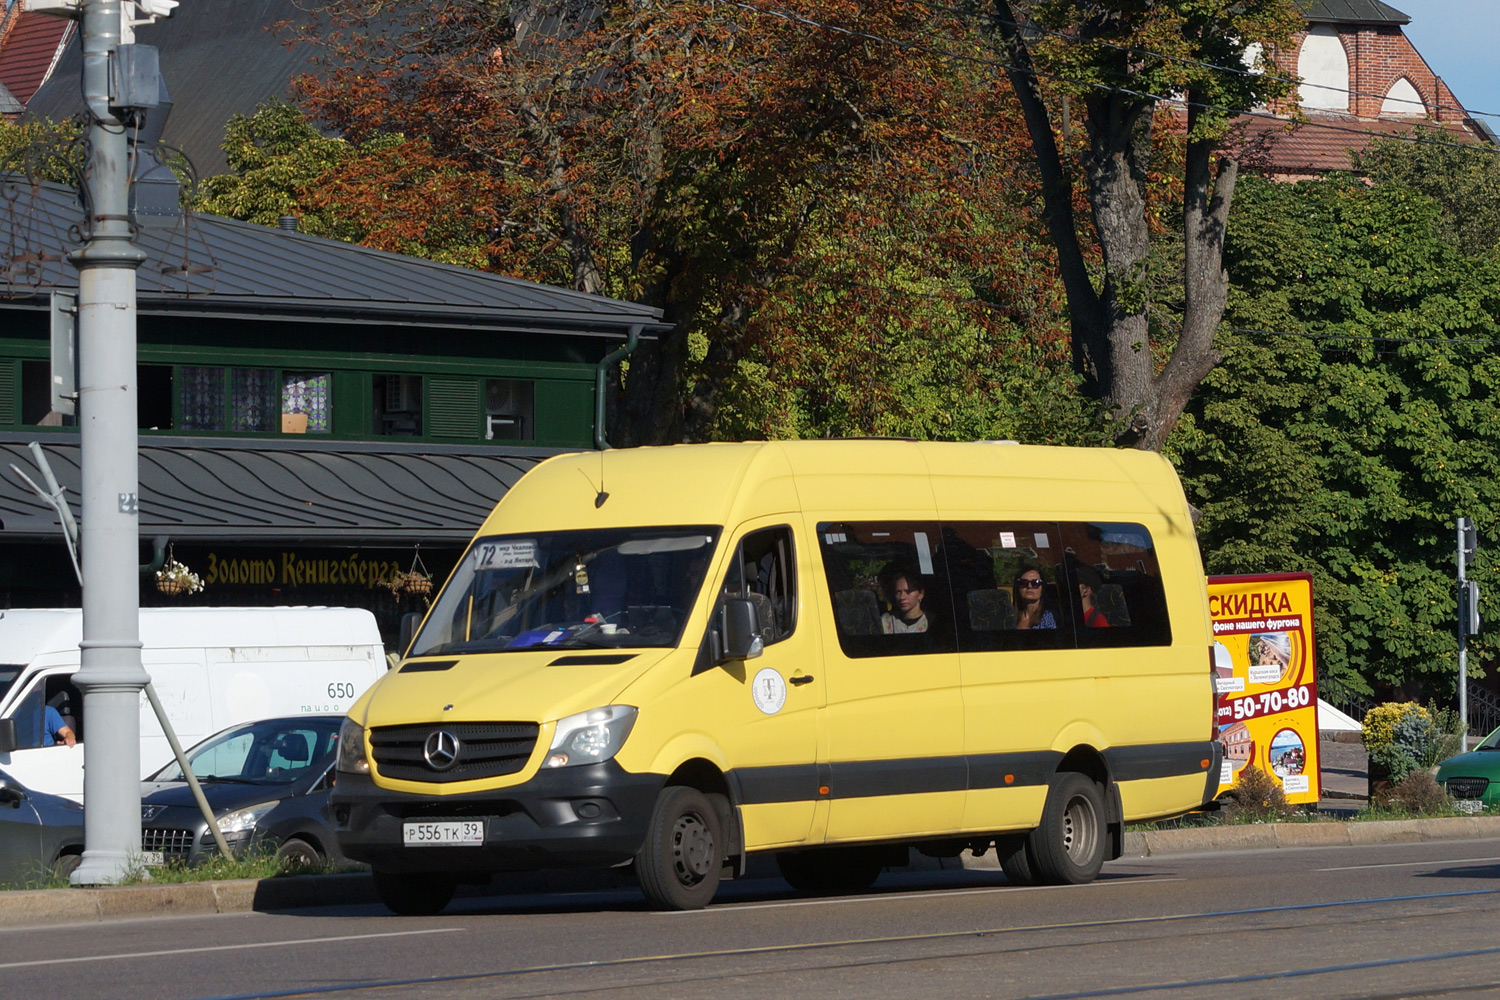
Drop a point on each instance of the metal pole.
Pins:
(1463, 641)
(110, 673)
(187, 772)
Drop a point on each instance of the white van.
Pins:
(211, 668)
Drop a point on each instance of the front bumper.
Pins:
(571, 817)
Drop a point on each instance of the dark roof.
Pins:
(275, 490)
(277, 274)
(1355, 12)
(218, 58)
(8, 103)
(28, 50)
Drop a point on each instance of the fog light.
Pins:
(587, 810)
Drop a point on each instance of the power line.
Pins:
(1237, 70)
(997, 64)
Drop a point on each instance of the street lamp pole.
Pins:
(110, 674)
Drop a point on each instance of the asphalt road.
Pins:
(1416, 920)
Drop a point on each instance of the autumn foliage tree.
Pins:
(778, 188)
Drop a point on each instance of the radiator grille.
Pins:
(169, 842)
(485, 750)
(1467, 788)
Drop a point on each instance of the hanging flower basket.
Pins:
(417, 583)
(174, 578)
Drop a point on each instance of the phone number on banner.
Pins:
(1268, 703)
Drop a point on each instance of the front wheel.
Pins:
(295, 852)
(678, 866)
(414, 895)
(1068, 847)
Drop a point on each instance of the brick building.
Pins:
(1361, 79)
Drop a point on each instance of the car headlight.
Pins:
(352, 759)
(590, 737)
(242, 821)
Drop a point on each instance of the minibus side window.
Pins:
(1115, 585)
(1009, 587)
(763, 570)
(888, 581)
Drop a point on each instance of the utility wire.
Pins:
(1237, 70)
(997, 64)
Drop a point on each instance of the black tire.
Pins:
(67, 864)
(838, 870)
(1015, 862)
(1068, 847)
(414, 895)
(295, 852)
(678, 866)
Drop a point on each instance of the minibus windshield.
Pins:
(8, 674)
(611, 588)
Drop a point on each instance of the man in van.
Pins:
(906, 615)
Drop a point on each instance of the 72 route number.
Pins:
(1272, 702)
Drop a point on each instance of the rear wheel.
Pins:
(67, 865)
(414, 895)
(678, 866)
(1068, 847)
(842, 869)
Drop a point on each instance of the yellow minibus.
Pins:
(833, 652)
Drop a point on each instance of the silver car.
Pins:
(41, 835)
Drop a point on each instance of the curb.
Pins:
(41, 907)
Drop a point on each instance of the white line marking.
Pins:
(733, 907)
(223, 947)
(1407, 864)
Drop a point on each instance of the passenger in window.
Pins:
(1089, 582)
(1030, 600)
(905, 591)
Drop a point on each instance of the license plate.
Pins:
(153, 859)
(457, 833)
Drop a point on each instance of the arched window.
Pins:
(1324, 68)
(1403, 100)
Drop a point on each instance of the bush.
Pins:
(1258, 795)
(1402, 737)
(1419, 793)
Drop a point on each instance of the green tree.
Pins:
(42, 150)
(1463, 180)
(1120, 65)
(1355, 414)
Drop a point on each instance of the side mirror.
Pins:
(409, 623)
(7, 735)
(739, 630)
(10, 795)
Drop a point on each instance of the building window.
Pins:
(304, 403)
(398, 405)
(251, 400)
(509, 410)
(200, 395)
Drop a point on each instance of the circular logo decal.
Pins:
(441, 750)
(768, 691)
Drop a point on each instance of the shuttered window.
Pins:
(453, 408)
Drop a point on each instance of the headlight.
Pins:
(590, 737)
(243, 821)
(352, 759)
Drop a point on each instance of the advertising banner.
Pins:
(1265, 678)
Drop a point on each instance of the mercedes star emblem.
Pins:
(441, 750)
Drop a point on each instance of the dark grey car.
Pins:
(41, 835)
(267, 783)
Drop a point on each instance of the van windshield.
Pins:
(8, 674)
(604, 588)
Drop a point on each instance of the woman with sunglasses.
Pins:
(1031, 610)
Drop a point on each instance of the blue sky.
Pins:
(1460, 39)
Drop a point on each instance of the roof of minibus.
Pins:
(718, 484)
